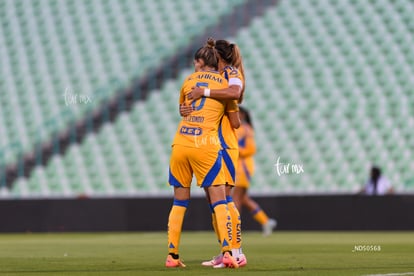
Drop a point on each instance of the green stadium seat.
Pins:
(72, 50)
(328, 84)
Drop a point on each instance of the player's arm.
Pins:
(234, 119)
(233, 92)
(185, 109)
(249, 148)
(232, 112)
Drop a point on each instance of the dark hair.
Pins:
(247, 116)
(231, 55)
(375, 176)
(375, 172)
(208, 54)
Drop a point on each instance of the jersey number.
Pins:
(202, 100)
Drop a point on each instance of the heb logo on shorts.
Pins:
(191, 130)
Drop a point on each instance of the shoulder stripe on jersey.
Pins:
(226, 75)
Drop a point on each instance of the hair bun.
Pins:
(211, 43)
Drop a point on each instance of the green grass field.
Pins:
(283, 253)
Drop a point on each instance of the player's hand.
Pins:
(195, 94)
(186, 110)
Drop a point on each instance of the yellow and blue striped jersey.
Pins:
(200, 128)
(233, 75)
(227, 133)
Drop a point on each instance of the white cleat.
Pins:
(217, 260)
(269, 226)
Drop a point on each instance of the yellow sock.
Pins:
(175, 224)
(214, 223)
(223, 224)
(235, 222)
(260, 216)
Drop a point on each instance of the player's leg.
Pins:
(236, 227)
(216, 261)
(213, 219)
(259, 214)
(230, 158)
(217, 196)
(207, 166)
(180, 178)
(175, 223)
(238, 195)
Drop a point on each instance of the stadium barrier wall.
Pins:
(150, 214)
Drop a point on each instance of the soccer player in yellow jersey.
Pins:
(245, 171)
(231, 67)
(197, 150)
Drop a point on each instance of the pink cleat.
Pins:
(241, 260)
(171, 262)
(229, 261)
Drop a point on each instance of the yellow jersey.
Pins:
(247, 149)
(247, 145)
(227, 133)
(200, 128)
